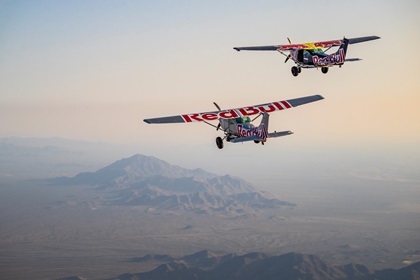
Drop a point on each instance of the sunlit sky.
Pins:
(93, 70)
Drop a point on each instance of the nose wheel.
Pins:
(219, 142)
(296, 70)
(324, 70)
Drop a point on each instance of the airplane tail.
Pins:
(260, 133)
(263, 130)
(263, 127)
(342, 51)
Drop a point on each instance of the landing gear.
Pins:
(324, 70)
(296, 70)
(219, 142)
(257, 142)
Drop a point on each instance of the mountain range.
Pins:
(205, 265)
(155, 184)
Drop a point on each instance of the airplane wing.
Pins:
(333, 43)
(306, 46)
(259, 48)
(237, 112)
(362, 39)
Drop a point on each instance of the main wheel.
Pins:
(219, 142)
(256, 141)
(295, 71)
(324, 70)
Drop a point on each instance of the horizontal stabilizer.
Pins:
(245, 139)
(278, 134)
(352, 59)
(257, 138)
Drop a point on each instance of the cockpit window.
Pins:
(243, 120)
(315, 51)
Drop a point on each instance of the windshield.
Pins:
(243, 120)
(315, 51)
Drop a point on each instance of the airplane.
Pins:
(237, 124)
(313, 55)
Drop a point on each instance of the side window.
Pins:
(300, 56)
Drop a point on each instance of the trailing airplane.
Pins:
(237, 124)
(313, 55)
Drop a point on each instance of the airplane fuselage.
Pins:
(241, 127)
(310, 59)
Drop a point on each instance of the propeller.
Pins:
(288, 57)
(218, 108)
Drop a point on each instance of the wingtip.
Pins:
(236, 49)
(146, 121)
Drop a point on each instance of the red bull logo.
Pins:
(309, 46)
(260, 131)
(295, 47)
(235, 113)
(332, 59)
(327, 44)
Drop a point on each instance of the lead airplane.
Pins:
(313, 55)
(237, 124)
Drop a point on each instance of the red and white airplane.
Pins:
(237, 124)
(313, 55)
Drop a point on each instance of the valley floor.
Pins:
(49, 232)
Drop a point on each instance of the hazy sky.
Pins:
(94, 70)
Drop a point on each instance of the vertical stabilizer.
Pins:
(342, 51)
(263, 127)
